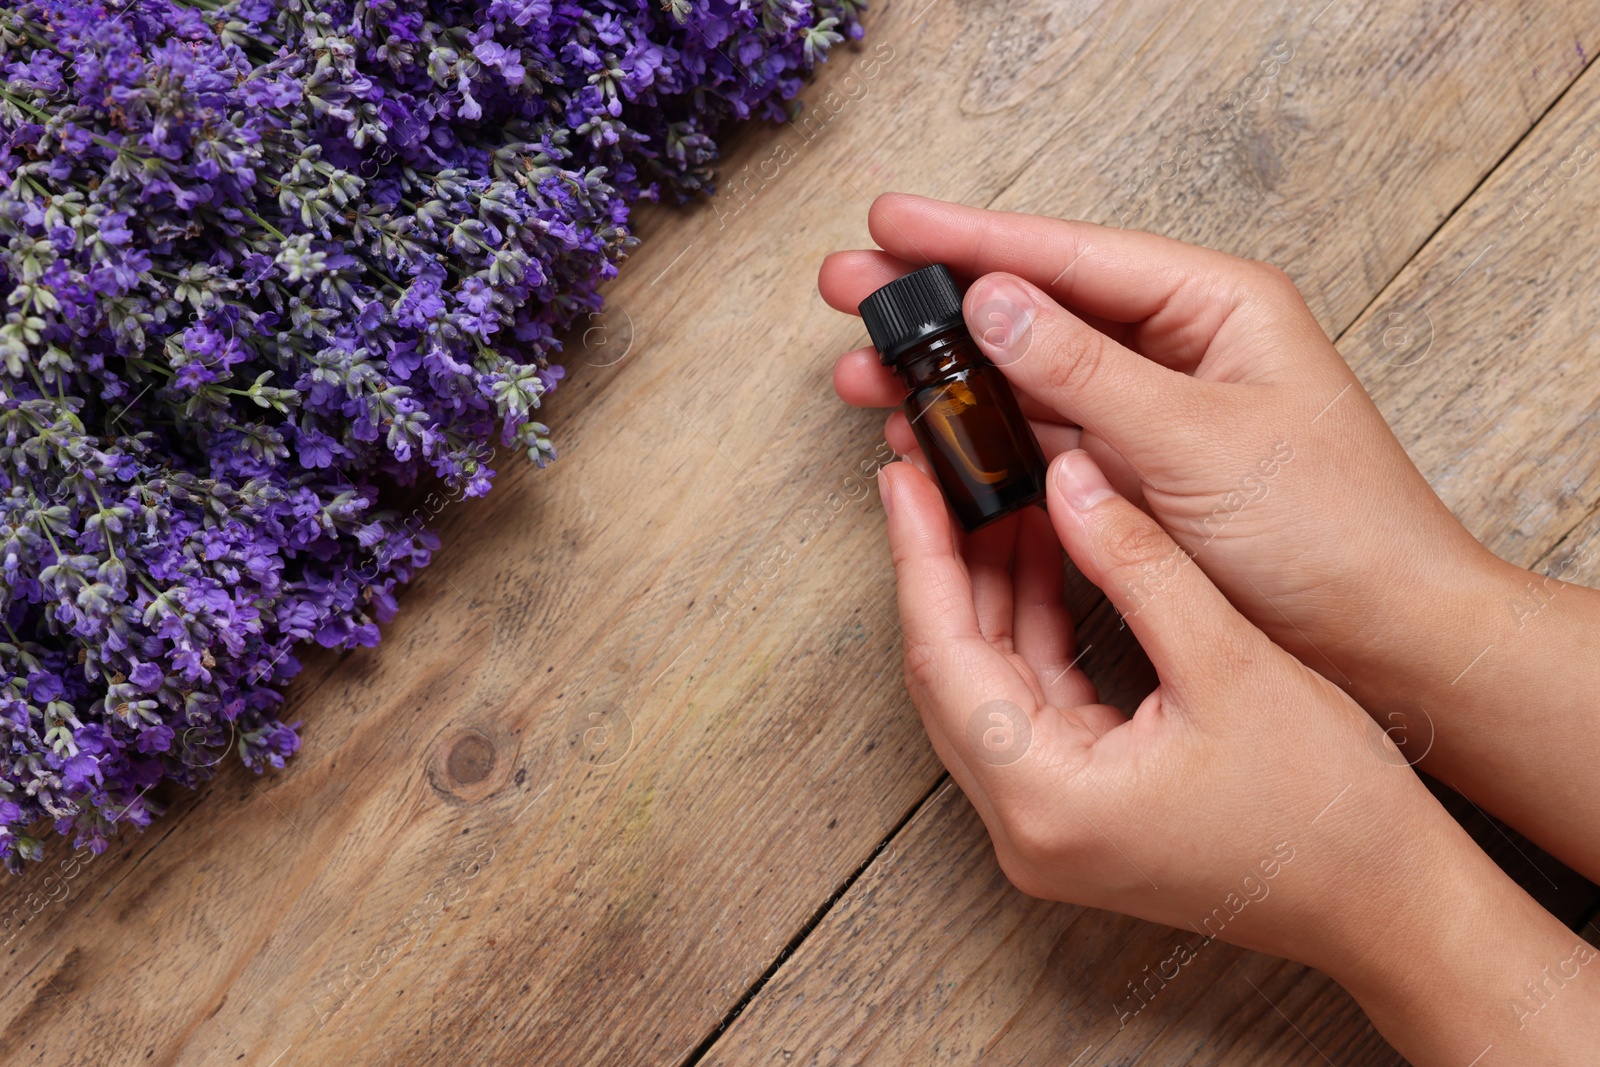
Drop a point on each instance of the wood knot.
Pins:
(469, 763)
(471, 758)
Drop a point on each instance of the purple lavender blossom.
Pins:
(247, 280)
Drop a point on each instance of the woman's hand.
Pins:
(1205, 388)
(1208, 392)
(1242, 799)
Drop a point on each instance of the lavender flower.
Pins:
(260, 257)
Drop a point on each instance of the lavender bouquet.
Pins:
(260, 257)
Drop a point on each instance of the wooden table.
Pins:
(633, 779)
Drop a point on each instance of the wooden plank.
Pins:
(644, 714)
(1576, 557)
(934, 957)
(1487, 374)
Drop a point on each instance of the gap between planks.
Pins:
(912, 814)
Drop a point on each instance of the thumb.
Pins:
(1183, 622)
(1084, 376)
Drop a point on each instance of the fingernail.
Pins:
(1002, 313)
(886, 489)
(1081, 481)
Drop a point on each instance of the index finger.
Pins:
(1180, 294)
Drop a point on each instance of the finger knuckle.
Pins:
(1234, 655)
(900, 554)
(1075, 358)
(1021, 874)
(921, 662)
(1272, 274)
(1142, 559)
(1275, 282)
(1035, 837)
(1135, 543)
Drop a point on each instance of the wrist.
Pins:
(1472, 656)
(1429, 634)
(1450, 957)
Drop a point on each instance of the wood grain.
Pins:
(933, 956)
(643, 716)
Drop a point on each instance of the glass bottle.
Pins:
(959, 404)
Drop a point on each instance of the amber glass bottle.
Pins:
(960, 405)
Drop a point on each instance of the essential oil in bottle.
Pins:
(960, 405)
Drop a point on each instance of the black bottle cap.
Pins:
(911, 309)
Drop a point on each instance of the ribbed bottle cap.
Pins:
(911, 309)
